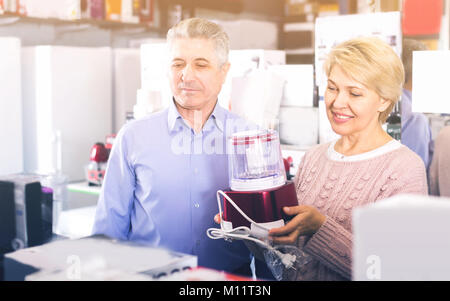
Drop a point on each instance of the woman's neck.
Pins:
(359, 143)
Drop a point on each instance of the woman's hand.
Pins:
(306, 222)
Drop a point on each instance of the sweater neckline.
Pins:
(333, 155)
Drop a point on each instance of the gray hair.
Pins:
(410, 45)
(198, 28)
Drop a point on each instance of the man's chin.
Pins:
(189, 102)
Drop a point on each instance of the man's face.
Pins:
(195, 75)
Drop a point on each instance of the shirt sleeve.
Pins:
(417, 136)
(112, 216)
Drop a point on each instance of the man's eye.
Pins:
(202, 66)
(331, 88)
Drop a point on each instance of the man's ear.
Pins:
(224, 69)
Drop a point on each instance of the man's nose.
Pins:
(187, 73)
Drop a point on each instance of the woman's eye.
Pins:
(355, 94)
(331, 88)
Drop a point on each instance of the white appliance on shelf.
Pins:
(11, 136)
(127, 81)
(244, 61)
(154, 73)
(299, 126)
(67, 94)
(430, 81)
(256, 97)
(298, 89)
(246, 34)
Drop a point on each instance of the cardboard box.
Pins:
(405, 237)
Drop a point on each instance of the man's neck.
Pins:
(196, 117)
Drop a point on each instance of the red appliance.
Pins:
(257, 179)
(261, 206)
(95, 170)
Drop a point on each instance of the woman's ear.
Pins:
(384, 104)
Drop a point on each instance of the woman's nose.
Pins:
(340, 100)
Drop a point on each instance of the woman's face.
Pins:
(351, 107)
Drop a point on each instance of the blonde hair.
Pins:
(374, 64)
(198, 28)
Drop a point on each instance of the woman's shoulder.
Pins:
(406, 155)
(407, 162)
(318, 149)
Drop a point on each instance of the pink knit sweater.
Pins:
(335, 188)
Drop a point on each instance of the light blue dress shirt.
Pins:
(161, 182)
(416, 131)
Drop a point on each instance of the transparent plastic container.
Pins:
(255, 161)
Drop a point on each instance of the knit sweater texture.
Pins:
(335, 188)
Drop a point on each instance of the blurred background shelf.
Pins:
(84, 187)
(12, 18)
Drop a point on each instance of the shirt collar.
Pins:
(217, 116)
(172, 116)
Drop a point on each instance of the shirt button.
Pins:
(196, 205)
(196, 171)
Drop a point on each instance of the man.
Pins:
(164, 169)
(416, 131)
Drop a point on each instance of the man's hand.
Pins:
(306, 222)
(217, 218)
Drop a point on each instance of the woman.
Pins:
(365, 165)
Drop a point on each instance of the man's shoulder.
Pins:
(145, 123)
(416, 124)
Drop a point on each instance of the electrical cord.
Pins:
(244, 233)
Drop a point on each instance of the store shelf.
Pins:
(84, 187)
(300, 51)
(12, 18)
